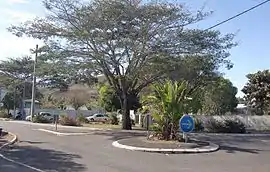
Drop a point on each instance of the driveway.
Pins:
(94, 153)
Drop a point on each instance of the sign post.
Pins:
(55, 118)
(186, 125)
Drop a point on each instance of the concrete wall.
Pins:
(71, 113)
(251, 122)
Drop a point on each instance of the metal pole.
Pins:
(34, 86)
(14, 102)
(23, 99)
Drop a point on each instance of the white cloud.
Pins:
(14, 16)
(17, 1)
(12, 46)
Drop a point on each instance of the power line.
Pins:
(225, 21)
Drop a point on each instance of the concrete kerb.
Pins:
(211, 148)
(12, 141)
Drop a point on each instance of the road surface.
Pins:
(94, 153)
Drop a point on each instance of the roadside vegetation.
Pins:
(141, 56)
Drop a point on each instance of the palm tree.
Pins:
(168, 103)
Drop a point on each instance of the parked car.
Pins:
(98, 118)
(46, 115)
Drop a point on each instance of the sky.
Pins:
(253, 32)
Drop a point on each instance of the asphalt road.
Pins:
(94, 153)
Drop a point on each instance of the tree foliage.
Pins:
(16, 74)
(219, 98)
(168, 103)
(8, 101)
(132, 43)
(108, 99)
(257, 92)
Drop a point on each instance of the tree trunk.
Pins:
(126, 123)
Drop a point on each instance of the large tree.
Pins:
(16, 70)
(257, 92)
(16, 74)
(132, 43)
(219, 97)
(57, 73)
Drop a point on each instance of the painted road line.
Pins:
(21, 164)
(62, 134)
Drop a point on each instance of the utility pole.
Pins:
(23, 100)
(14, 102)
(34, 86)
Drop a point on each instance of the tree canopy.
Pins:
(132, 43)
(257, 92)
(219, 98)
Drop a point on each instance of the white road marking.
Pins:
(62, 134)
(21, 164)
(265, 141)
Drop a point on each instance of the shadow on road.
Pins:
(234, 149)
(117, 135)
(45, 159)
(234, 144)
(31, 142)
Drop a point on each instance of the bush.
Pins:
(234, 126)
(113, 119)
(227, 126)
(68, 121)
(40, 119)
(5, 115)
(81, 119)
(214, 126)
(198, 125)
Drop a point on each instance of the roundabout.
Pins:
(168, 147)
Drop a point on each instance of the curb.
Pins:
(211, 148)
(14, 139)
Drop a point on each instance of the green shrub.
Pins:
(40, 119)
(227, 126)
(198, 125)
(234, 126)
(68, 121)
(81, 119)
(113, 119)
(214, 126)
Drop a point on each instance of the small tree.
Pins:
(8, 101)
(168, 103)
(77, 98)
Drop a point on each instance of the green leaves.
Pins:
(132, 43)
(168, 103)
(257, 91)
(219, 98)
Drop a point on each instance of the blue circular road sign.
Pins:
(186, 123)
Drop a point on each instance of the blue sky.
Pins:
(253, 31)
